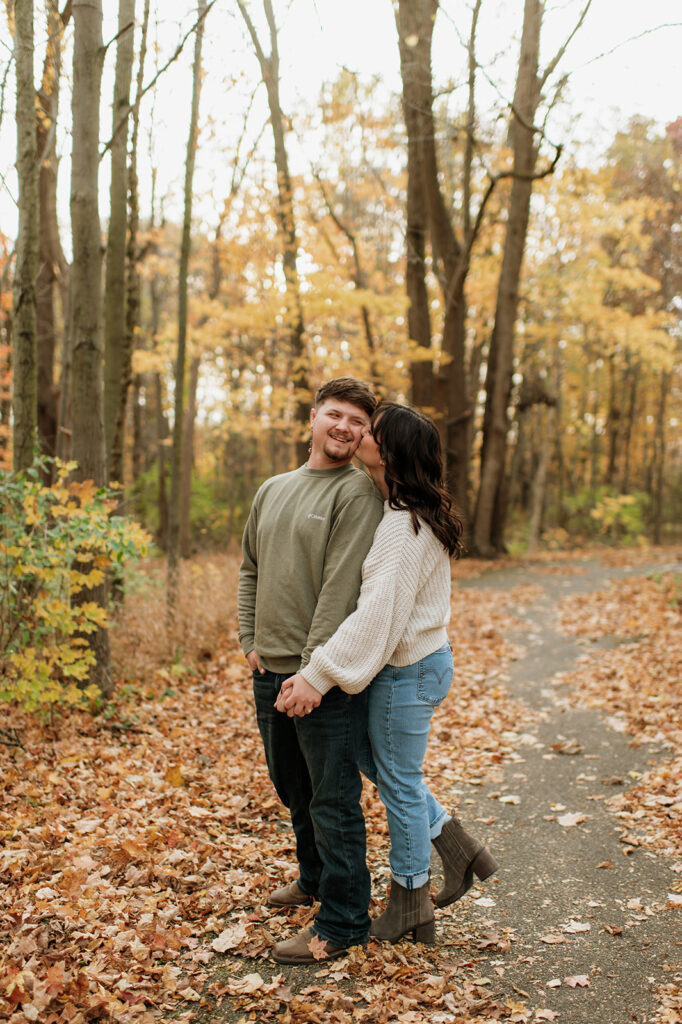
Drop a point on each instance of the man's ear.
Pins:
(312, 416)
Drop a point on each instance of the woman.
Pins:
(399, 628)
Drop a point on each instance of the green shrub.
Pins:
(55, 542)
(603, 513)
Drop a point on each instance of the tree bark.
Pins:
(594, 444)
(287, 223)
(188, 458)
(24, 365)
(132, 273)
(631, 384)
(490, 510)
(64, 420)
(451, 256)
(115, 393)
(540, 479)
(161, 449)
(176, 458)
(52, 265)
(416, 231)
(612, 421)
(491, 504)
(162, 430)
(659, 457)
(88, 447)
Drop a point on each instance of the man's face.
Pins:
(337, 428)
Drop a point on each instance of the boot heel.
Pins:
(484, 864)
(425, 932)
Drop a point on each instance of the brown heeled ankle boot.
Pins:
(408, 910)
(463, 857)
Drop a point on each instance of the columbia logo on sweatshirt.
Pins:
(313, 515)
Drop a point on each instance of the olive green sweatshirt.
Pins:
(303, 547)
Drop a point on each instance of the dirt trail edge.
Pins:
(593, 937)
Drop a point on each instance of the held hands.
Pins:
(297, 697)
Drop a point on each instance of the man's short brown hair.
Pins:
(348, 389)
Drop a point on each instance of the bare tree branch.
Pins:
(262, 59)
(471, 117)
(562, 49)
(458, 279)
(631, 39)
(121, 32)
(150, 85)
(5, 269)
(3, 184)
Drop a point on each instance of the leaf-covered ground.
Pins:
(138, 847)
(639, 683)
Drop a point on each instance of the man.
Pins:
(304, 544)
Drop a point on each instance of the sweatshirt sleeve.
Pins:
(248, 582)
(349, 541)
(365, 641)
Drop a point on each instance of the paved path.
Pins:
(550, 879)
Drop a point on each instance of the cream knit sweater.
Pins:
(402, 611)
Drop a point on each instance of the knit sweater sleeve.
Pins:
(248, 581)
(395, 567)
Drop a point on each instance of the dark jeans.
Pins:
(313, 764)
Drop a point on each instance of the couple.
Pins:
(315, 639)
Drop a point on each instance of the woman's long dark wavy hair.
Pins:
(410, 447)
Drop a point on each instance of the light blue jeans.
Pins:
(401, 703)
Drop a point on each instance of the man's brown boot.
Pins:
(297, 949)
(290, 895)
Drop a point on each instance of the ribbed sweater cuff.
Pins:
(317, 678)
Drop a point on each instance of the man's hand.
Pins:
(253, 662)
(297, 697)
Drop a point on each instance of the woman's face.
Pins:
(368, 451)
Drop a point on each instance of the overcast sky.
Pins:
(639, 72)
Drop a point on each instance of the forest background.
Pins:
(468, 229)
(204, 213)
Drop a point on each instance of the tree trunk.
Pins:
(161, 448)
(5, 385)
(287, 225)
(64, 421)
(540, 479)
(561, 468)
(659, 458)
(628, 424)
(52, 266)
(25, 388)
(176, 459)
(612, 421)
(162, 431)
(418, 314)
(518, 475)
(594, 446)
(88, 446)
(115, 356)
(488, 528)
(138, 447)
(188, 459)
(451, 258)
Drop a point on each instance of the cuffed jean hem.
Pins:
(411, 881)
(436, 827)
(344, 944)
